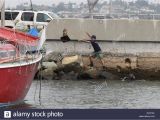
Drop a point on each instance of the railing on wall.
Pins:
(110, 16)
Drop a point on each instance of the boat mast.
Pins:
(31, 5)
(2, 2)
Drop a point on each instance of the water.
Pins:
(94, 94)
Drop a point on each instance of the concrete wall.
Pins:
(107, 30)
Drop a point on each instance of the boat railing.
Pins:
(27, 57)
(150, 16)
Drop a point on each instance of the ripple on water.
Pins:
(81, 94)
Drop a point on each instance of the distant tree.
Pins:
(131, 3)
(53, 5)
(105, 3)
(60, 7)
(157, 9)
(70, 6)
(141, 3)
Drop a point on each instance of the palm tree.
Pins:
(91, 5)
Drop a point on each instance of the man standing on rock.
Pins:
(97, 50)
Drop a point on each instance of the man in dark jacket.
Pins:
(65, 37)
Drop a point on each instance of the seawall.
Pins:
(106, 30)
(115, 36)
(120, 40)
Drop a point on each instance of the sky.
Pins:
(13, 3)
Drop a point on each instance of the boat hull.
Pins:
(15, 81)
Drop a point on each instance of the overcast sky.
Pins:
(13, 3)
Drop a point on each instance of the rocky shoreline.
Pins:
(56, 66)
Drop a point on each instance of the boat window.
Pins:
(11, 15)
(41, 17)
(27, 16)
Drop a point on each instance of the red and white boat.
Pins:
(17, 67)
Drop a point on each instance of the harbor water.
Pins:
(93, 94)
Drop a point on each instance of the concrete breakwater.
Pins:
(118, 66)
(131, 47)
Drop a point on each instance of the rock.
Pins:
(70, 59)
(88, 74)
(107, 75)
(74, 67)
(70, 64)
(50, 65)
(47, 71)
(84, 76)
(68, 76)
(93, 73)
(53, 57)
(47, 74)
(129, 77)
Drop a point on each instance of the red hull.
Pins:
(15, 81)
